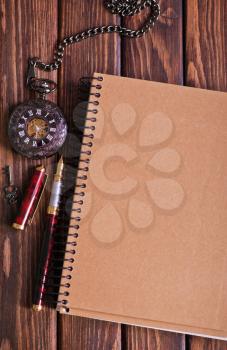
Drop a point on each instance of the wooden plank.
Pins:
(100, 54)
(206, 50)
(157, 56)
(198, 343)
(83, 333)
(138, 338)
(206, 44)
(25, 30)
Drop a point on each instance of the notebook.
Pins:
(150, 209)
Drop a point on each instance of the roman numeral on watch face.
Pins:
(21, 126)
(49, 137)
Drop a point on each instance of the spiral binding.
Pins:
(65, 243)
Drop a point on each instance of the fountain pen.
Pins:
(48, 243)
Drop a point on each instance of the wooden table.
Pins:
(188, 46)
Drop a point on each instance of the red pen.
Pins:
(31, 199)
(48, 243)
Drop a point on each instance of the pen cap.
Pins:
(31, 199)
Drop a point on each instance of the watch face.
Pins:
(37, 129)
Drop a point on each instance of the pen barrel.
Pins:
(42, 281)
(42, 288)
(54, 198)
(31, 199)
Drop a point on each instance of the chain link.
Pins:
(119, 7)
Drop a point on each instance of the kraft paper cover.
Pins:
(152, 241)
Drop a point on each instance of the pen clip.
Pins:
(37, 204)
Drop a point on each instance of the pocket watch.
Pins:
(37, 128)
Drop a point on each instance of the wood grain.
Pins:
(206, 65)
(206, 44)
(138, 338)
(197, 343)
(25, 30)
(157, 56)
(101, 54)
(82, 333)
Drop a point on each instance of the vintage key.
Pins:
(10, 190)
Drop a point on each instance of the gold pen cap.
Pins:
(37, 307)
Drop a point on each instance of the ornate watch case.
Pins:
(37, 128)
